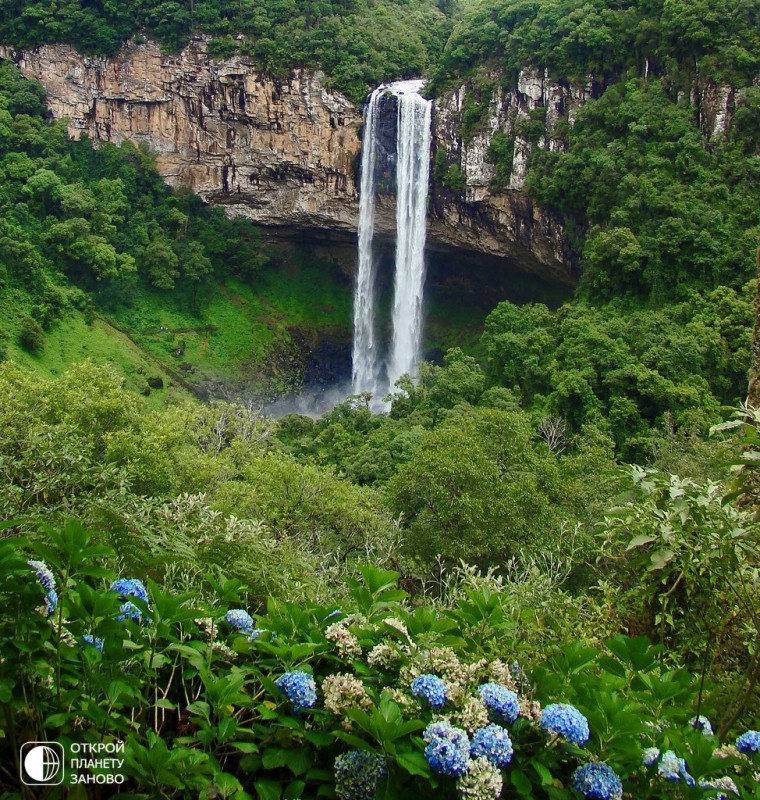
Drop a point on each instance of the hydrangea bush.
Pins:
(379, 700)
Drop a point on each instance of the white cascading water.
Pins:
(364, 376)
(412, 174)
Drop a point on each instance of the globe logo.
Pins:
(43, 762)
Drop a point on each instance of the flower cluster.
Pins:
(725, 784)
(345, 642)
(383, 656)
(130, 587)
(749, 743)
(397, 624)
(503, 703)
(431, 689)
(344, 691)
(494, 744)
(672, 768)
(95, 641)
(566, 721)
(448, 749)
(47, 581)
(501, 672)
(299, 688)
(240, 620)
(702, 723)
(597, 781)
(357, 774)
(482, 782)
(472, 714)
(530, 710)
(651, 756)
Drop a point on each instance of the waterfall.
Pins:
(412, 175)
(365, 357)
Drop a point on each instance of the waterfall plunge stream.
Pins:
(412, 174)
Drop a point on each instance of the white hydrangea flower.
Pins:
(344, 691)
(482, 782)
(345, 642)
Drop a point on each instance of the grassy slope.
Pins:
(246, 338)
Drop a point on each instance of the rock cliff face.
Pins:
(282, 153)
(533, 113)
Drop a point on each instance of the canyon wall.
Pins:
(283, 153)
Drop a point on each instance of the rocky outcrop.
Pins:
(499, 216)
(279, 152)
(282, 153)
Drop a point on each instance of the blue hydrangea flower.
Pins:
(299, 687)
(702, 723)
(500, 701)
(44, 575)
(256, 632)
(357, 774)
(130, 587)
(566, 721)
(597, 781)
(749, 743)
(446, 757)
(673, 768)
(430, 688)
(129, 610)
(95, 641)
(239, 619)
(444, 730)
(493, 743)
(47, 581)
(51, 601)
(726, 784)
(651, 754)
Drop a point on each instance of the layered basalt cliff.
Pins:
(282, 153)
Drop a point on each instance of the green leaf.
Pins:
(522, 785)
(640, 541)
(294, 790)
(661, 558)
(543, 773)
(414, 763)
(613, 666)
(267, 789)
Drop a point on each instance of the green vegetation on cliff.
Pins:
(359, 43)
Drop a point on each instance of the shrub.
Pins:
(288, 709)
(31, 336)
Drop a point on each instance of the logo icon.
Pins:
(41, 763)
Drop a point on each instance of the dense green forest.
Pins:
(536, 576)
